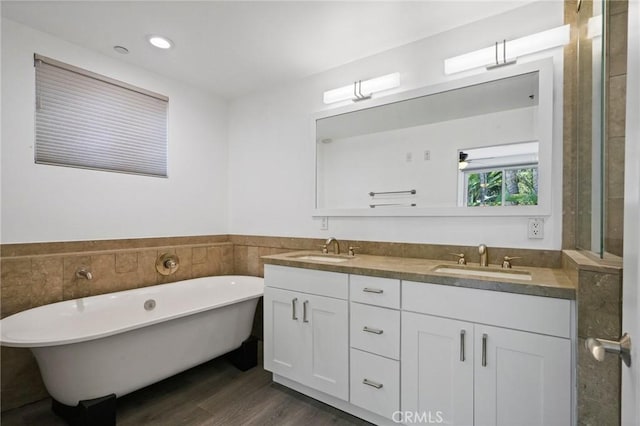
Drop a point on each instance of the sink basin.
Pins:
(323, 258)
(483, 272)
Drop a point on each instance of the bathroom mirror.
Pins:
(402, 155)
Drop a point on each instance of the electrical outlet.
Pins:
(535, 230)
(409, 157)
(427, 155)
(324, 223)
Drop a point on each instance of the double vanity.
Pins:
(417, 341)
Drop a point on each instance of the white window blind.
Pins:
(90, 121)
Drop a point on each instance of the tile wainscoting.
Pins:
(599, 314)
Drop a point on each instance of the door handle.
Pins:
(293, 308)
(373, 290)
(372, 330)
(304, 311)
(462, 333)
(622, 347)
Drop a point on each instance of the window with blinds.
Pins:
(90, 121)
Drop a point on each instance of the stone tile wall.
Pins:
(599, 314)
(577, 127)
(616, 89)
(249, 248)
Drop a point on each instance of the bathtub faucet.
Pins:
(85, 273)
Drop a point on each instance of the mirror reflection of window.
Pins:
(505, 175)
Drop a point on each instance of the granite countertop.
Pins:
(546, 282)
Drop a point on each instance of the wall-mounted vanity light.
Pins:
(361, 90)
(507, 52)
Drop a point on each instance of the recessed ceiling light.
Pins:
(121, 49)
(160, 42)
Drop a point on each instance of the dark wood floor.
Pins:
(215, 393)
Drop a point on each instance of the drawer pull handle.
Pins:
(462, 333)
(304, 311)
(484, 349)
(373, 290)
(372, 330)
(293, 308)
(372, 384)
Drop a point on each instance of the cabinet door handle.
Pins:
(304, 311)
(372, 384)
(373, 290)
(293, 308)
(462, 333)
(372, 330)
(484, 349)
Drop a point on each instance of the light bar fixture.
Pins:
(507, 52)
(361, 90)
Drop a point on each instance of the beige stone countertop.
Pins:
(544, 282)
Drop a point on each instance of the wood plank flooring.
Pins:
(212, 394)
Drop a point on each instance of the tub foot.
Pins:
(88, 412)
(246, 356)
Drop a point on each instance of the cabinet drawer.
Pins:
(375, 330)
(375, 383)
(375, 291)
(544, 315)
(322, 283)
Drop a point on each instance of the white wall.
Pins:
(50, 203)
(271, 146)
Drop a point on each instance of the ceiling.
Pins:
(232, 48)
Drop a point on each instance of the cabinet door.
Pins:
(327, 341)
(437, 369)
(525, 378)
(284, 335)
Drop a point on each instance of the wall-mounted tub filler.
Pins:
(84, 272)
(167, 264)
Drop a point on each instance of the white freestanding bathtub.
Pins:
(119, 342)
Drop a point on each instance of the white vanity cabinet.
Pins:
(306, 333)
(392, 351)
(466, 372)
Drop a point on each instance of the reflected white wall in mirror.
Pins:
(412, 142)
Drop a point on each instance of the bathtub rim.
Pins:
(12, 342)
